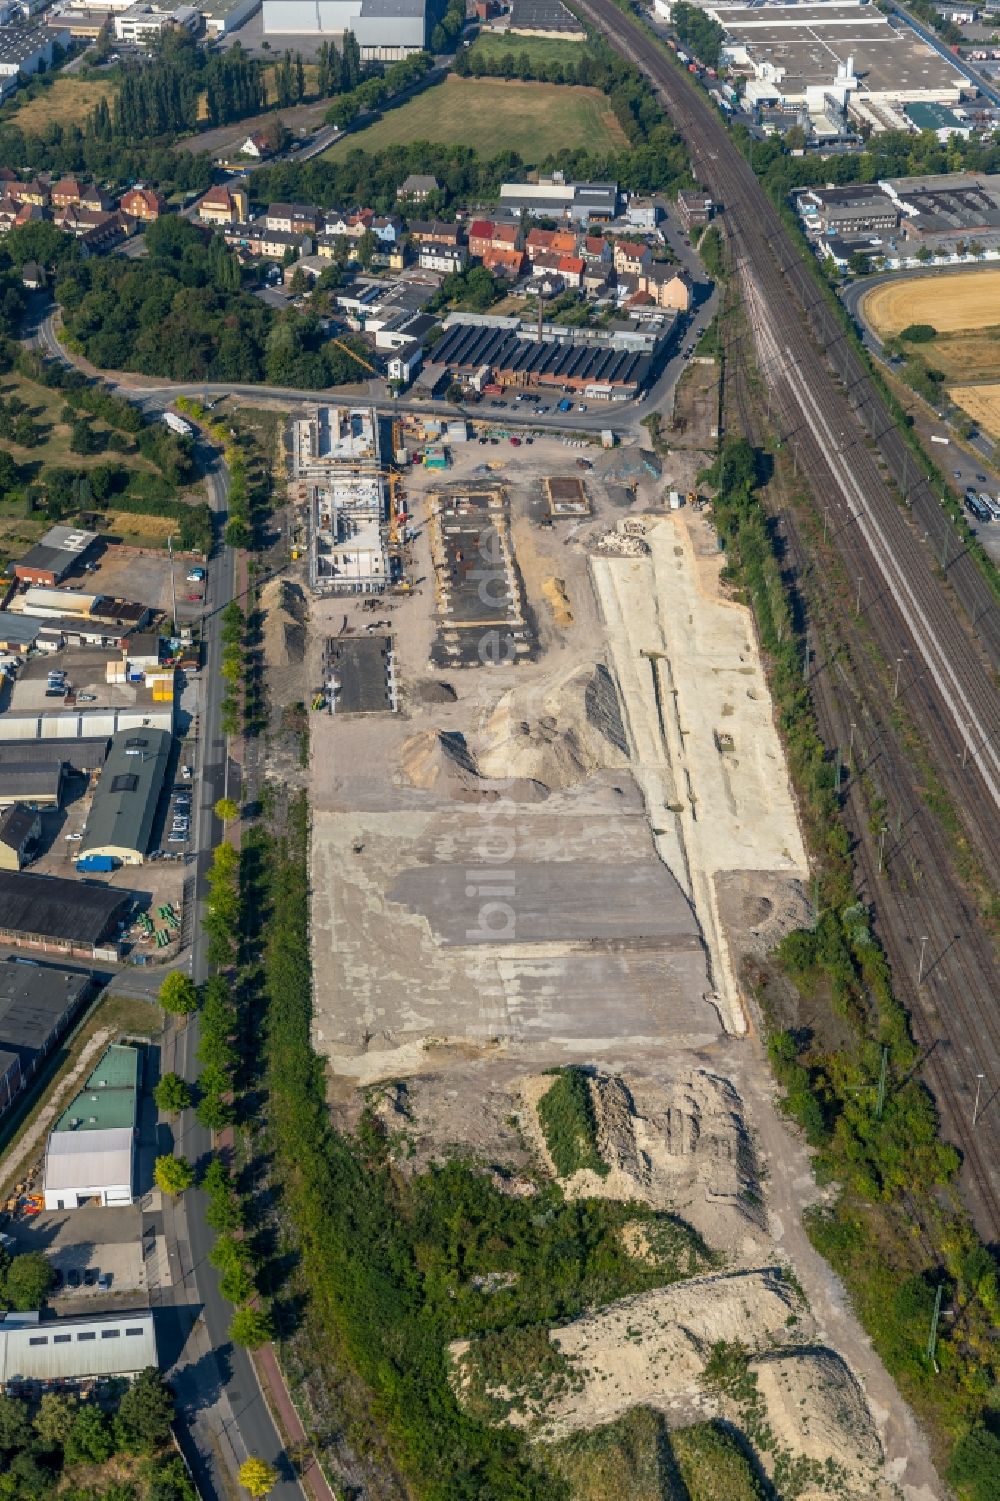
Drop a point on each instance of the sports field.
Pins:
(951, 302)
(982, 403)
(533, 119)
(67, 101)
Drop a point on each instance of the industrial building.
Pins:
(38, 1005)
(36, 780)
(598, 371)
(62, 549)
(553, 197)
(99, 616)
(25, 49)
(953, 211)
(545, 18)
(337, 467)
(838, 52)
(122, 814)
(60, 916)
(386, 30)
(20, 831)
(91, 1148)
(146, 21)
(50, 1353)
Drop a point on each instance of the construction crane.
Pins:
(354, 355)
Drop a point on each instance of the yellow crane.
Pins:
(354, 355)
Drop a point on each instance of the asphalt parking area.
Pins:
(82, 1244)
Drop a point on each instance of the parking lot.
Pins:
(144, 578)
(94, 1251)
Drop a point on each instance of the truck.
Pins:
(93, 864)
(565, 405)
(178, 425)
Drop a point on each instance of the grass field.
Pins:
(963, 356)
(533, 119)
(67, 101)
(45, 407)
(982, 403)
(541, 49)
(950, 303)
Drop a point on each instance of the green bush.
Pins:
(918, 333)
(566, 1116)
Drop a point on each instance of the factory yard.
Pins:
(533, 119)
(961, 300)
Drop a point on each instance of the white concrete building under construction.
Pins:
(337, 471)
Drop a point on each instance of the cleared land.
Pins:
(965, 299)
(491, 115)
(67, 101)
(540, 49)
(982, 404)
(962, 356)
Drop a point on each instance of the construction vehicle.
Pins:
(354, 355)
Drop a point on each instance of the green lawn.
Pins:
(533, 119)
(541, 49)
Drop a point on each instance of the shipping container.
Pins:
(96, 863)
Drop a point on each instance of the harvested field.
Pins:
(982, 404)
(490, 115)
(968, 356)
(964, 299)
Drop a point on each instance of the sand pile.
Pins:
(649, 1349)
(285, 612)
(548, 738)
(554, 591)
(817, 1410)
(440, 760)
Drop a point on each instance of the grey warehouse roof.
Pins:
(19, 630)
(108, 1344)
(36, 1001)
(543, 15)
(124, 806)
(53, 908)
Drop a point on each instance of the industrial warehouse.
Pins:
(386, 30)
(598, 372)
(61, 916)
(91, 1150)
(38, 1004)
(74, 1351)
(120, 823)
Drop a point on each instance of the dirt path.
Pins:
(790, 1189)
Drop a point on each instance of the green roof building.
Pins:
(123, 812)
(91, 1149)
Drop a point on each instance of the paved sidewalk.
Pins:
(288, 1422)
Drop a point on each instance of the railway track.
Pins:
(906, 561)
(897, 874)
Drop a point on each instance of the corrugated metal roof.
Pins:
(115, 1344)
(108, 1099)
(89, 1159)
(121, 815)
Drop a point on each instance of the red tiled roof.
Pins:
(481, 229)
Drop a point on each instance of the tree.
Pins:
(145, 1413)
(172, 1094)
(237, 1284)
(15, 1427)
(169, 1482)
(178, 994)
(251, 1327)
(257, 1476)
(90, 1439)
(173, 1174)
(28, 1279)
(55, 1419)
(226, 809)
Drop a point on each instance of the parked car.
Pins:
(89, 1277)
(87, 698)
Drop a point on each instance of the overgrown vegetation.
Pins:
(566, 1116)
(884, 1150)
(115, 1446)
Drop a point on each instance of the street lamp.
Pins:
(975, 1108)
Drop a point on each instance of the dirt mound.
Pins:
(649, 1349)
(554, 591)
(760, 907)
(285, 612)
(604, 710)
(817, 1411)
(433, 757)
(433, 691)
(552, 740)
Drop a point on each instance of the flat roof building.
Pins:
(579, 202)
(24, 49)
(385, 29)
(35, 780)
(120, 822)
(70, 1351)
(61, 550)
(61, 916)
(337, 463)
(91, 1148)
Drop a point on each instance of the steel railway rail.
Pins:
(829, 427)
(903, 877)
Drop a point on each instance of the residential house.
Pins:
(66, 191)
(256, 145)
(436, 232)
(596, 277)
(417, 188)
(504, 262)
(668, 286)
(31, 213)
(404, 364)
(556, 241)
(388, 228)
(94, 229)
(32, 276)
(224, 205)
(632, 257)
(294, 218)
(145, 204)
(694, 207)
(9, 210)
(480, 237)
(445, 258)
(596, 250)
(335, 224)
(571, 269)
(95, 199)
(359, 223)
(275, 243)
(545, 283)
(33, 192)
